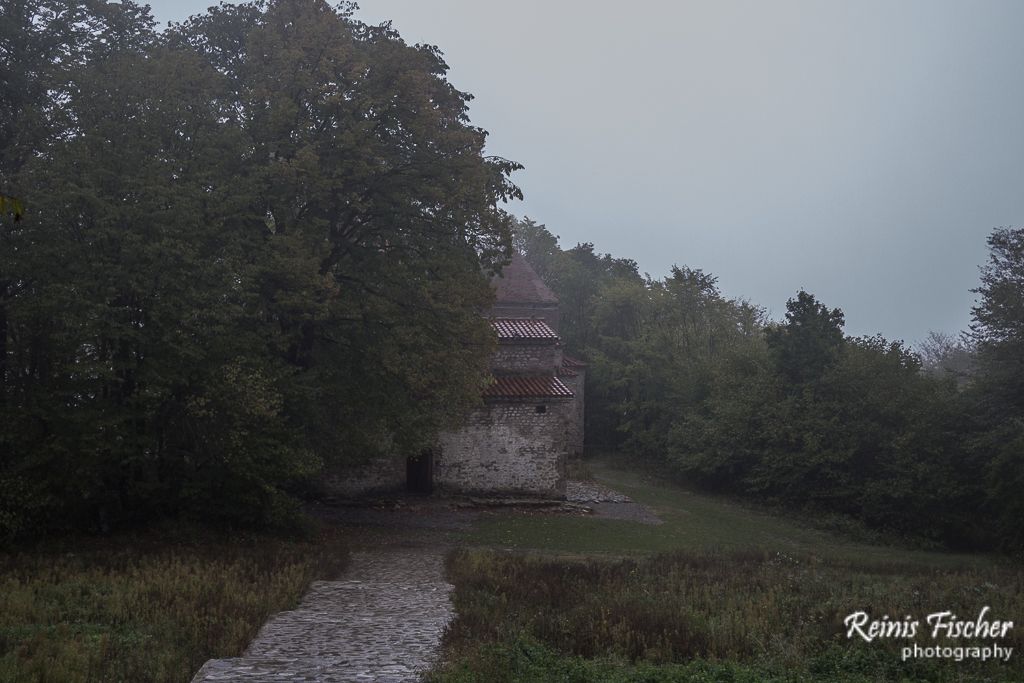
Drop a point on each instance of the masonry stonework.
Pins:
(378, 476)
(574, 428)
(526, 359)
(517, 443)
(507, 448)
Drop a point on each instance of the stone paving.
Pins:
(382, 623)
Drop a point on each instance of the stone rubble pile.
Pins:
(592, 492)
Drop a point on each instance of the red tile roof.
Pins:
(521, 329)
(520, 284)
(527, 387)
(570, 362)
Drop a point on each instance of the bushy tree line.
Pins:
(254, 245)
(795, 412)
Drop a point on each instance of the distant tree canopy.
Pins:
(998, 321)
(796, 413)
(258, 246)
(948, 355)
(810, 341)
(997, 331)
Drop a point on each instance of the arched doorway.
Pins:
(419, 473)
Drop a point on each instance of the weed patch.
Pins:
(147, 608)
(744, 614)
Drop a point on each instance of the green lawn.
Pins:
(718, 592)
(692, 522)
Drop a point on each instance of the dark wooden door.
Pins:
(419, 473)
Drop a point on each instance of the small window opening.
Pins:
(542, 409)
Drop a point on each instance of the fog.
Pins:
(861, 151)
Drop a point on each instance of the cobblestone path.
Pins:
(381, 622)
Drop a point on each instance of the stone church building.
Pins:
(516, 443)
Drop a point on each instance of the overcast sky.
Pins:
(860, 150)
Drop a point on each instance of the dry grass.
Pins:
(147, 608)
(775, 614)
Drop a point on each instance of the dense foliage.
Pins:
(254, 246)
(795, 412)
(998, 392)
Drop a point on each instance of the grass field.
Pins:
(146, 608)
(719, 592)
(692, 522)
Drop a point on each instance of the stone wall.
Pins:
(574, 423)
(526, 359)
(382, 475)
(507, 449)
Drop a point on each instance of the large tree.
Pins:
(997, 329)
(46, 47)
(262, 245)
(810, 340)
(998, 321)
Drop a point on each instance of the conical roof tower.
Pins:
(521, 293)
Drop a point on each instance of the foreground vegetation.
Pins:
(147, 608)
(718, 592)
(728, 616)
